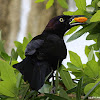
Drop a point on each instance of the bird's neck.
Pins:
(46, 32)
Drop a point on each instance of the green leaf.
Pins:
(92, 36)
(20, 49)
(91, 53)
(63, 3)
(23, 91)
(71, 90)
(66, 78)
(82, 31)
(45, 88)
(94, 3)
(19, 78)
(14, 54)
(49, 4)
(1, 44)
(77, 12)
(13, 62)
(97, 54)
(72, 30)
(78, 74)
(37, 1)
(5, 56)
(95, 17)
(87, 50)
(7, 72)
(72, 67)
(55, 97)
(79, 89)
(63, 94)
(90, 9)
(81, 4)
(95, 46)
(57, 80)
(92, 69)
(8, 85)
(2, 97)
(96, 29)
(75, 59)
(98, 4)
(32, 94)
(29, 37)
(92, 89)
(98, 41)
(25, 42)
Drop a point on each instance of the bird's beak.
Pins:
(77, 20)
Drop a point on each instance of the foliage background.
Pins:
(87, 80)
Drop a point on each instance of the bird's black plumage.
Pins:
(44, 51)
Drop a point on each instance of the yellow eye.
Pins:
(61, 20)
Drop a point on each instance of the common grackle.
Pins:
(45, 50)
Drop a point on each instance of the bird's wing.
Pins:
(53, 46)
(33, 45)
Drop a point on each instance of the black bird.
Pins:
(44, 51)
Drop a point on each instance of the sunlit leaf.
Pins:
(5, 56)
(98, 4)
(77, 12)
(75, 59)
(20, 49)
(92, 69)
(81, 4)
(92, 89)
(63, 3)
(72, 67)
(8, 85)
(49, 4)
(37, 1)
(94, 3)
(72, 30)
(29, 37)
(91, 53)
(14, 54)
(87, 50)
(25, 42)
(95, 17)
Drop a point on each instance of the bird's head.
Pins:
(60, 24)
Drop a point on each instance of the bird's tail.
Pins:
(34, 72)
